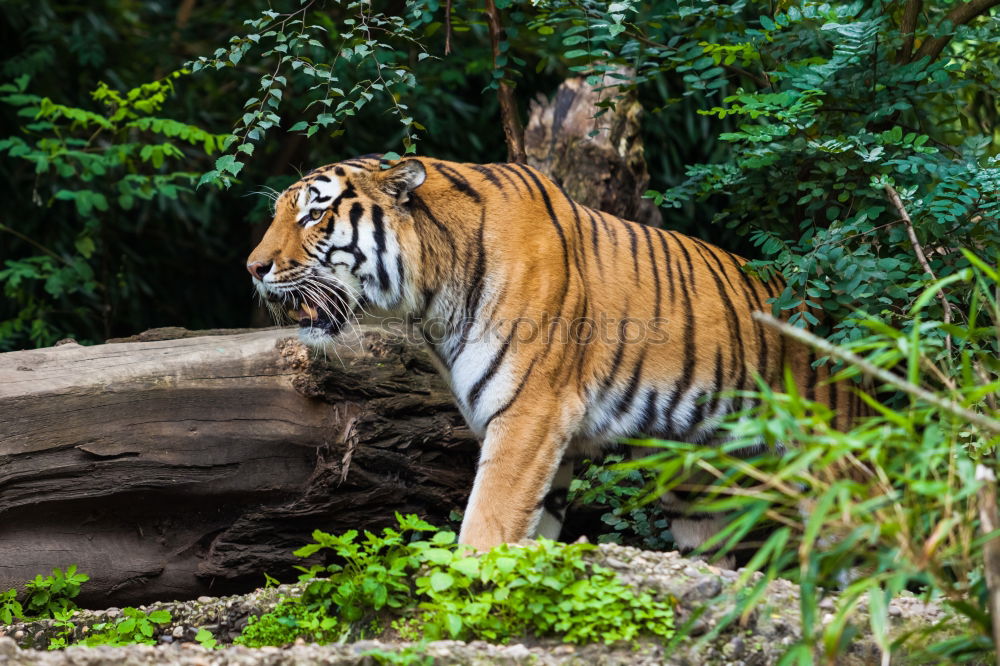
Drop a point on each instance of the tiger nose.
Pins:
(259, 269)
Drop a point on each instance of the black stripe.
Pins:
(656, 273)
(399, 272)
(635, 249)
(772, 290)
(687, 371)
(668, 264)
(735, 332)
(698, 416)
(616, 360)
(609, 229)
(475, 278)
(517, 392)
(578, 248)
(348, 193)
(419, 204)
(510, 168)
(379, 234)
(717, 386)
(559, 230)
(594, 240)
(750, 289)
(477, 389)
(626, 399)
(487, 174)
(649, 416)
(458, 181)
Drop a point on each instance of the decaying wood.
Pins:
(175, 468)
(606, 171)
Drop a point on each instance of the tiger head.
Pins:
(335, 245)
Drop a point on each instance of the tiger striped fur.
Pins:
(500, 272)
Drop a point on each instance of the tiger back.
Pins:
(559, 329)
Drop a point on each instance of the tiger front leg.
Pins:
(519, 460)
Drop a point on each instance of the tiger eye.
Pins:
(315, 214)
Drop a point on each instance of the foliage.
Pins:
(48, 595)
(134, 627)
(93, 169)
(891, 505)
(617, 491)
(10, 607)
(289, 620)
(436, 589)
(62, 622)
(206, 639)
(411, 655)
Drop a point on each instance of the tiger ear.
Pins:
(403, 178)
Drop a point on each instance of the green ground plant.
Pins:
(616, 493)
(10, 608)
(45, 596)
(134, 627)
(433, 588)
(892, 505)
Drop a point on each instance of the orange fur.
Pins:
(502, 245)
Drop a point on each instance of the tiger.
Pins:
(560, 330)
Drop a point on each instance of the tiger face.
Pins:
(334, 247)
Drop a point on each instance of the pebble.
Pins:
(178, 631)
(517, 651)
(7, 647)
(615, 563)
(205, 600)
(702, 589)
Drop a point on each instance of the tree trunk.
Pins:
(176, 468)
(606, 171)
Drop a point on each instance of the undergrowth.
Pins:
(433, 588)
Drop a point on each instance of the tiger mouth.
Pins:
(329, 316)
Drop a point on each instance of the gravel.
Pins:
(759, 638)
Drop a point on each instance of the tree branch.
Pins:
(960, 15)
(447, 27)
(919, 251)
(907, 27)
(872, 370)
(512, 128)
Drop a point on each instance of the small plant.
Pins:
(206, 639)
(414, 655)
(62, 620)
(435, 588)
(10, 607)
(289, 621)
(618, 491)
(49, 595)
(134, 627)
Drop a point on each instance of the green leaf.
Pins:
(441, 581)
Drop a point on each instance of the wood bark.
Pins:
(177, 468)
(598, 160)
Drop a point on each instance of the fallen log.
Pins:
(170, 469)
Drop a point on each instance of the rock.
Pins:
(703, 589)
(759, 639)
